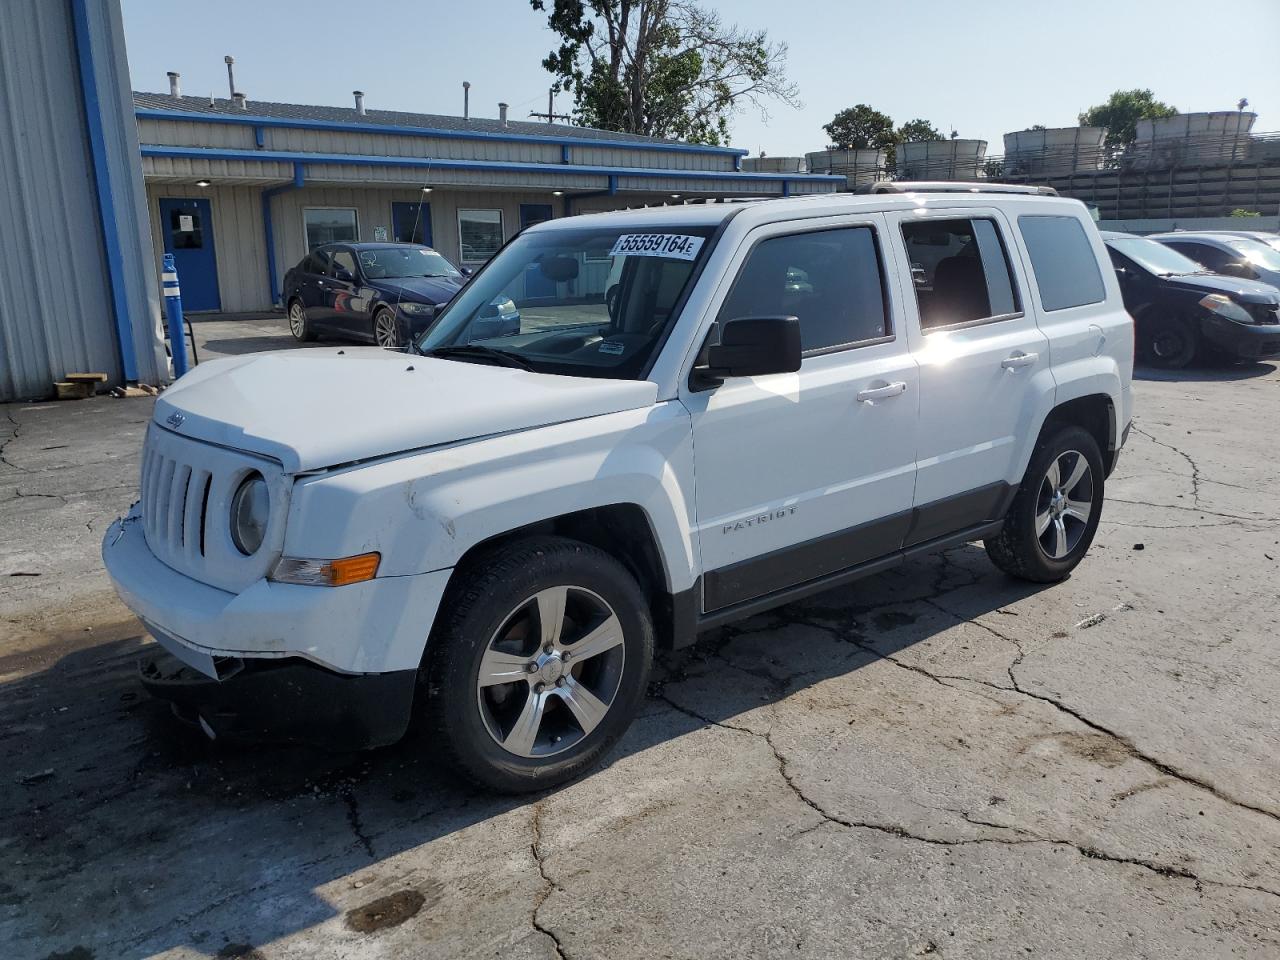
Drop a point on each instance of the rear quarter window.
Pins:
(1062, 259)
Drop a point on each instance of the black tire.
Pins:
(493, 599)
(299, 326)
(386, 329)
(1170, 342)
(1018, 549)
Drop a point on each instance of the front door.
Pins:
(187, 228)
(984, 366)
(805, 474)
(411, 222)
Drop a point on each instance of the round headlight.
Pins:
(250, 509)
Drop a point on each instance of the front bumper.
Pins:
(290, 700)
(1242, 340)
(379, 626)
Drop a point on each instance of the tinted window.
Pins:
(345, 260)
(1063, 262)
(1210, 257)
(829, 279)
(316, 262)
(960, 271)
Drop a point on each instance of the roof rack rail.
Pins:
(953, 186)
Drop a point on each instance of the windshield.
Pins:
(1155, 256)
(1256, 252)
(398, 263)
(591, 302)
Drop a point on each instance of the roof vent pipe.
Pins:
(359, 95)
(502, 113)
(175, 87)
(466, 99)
(240, 103)
(230, 61)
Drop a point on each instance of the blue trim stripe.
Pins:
(150, 113)
(212, 153)
(116, 266)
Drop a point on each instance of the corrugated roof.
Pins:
(390, 118)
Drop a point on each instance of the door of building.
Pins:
(187, 227)
(411, 223)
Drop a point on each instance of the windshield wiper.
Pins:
(475, 351)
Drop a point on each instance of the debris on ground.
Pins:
(1139, 546)
(27, 779)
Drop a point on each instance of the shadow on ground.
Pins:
(1208, 373)
(117, 810)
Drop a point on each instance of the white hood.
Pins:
(315, 408)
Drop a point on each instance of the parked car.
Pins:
(387, 293)
(1182, 311)
(496, 532)
(1272, 240)
(1227, 254)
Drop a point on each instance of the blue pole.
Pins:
(173, 316)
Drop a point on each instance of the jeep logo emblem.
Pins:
(175, 420)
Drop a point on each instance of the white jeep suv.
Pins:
(709, 410)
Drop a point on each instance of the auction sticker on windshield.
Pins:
(674, 246)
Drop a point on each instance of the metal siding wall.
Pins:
(238, 239)
(55, 309)
(373, 208)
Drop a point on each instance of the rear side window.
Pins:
(830, 279)
(1063, 262)
(960, 271)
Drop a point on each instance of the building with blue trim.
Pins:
(239, 190)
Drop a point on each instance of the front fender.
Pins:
(424, 511)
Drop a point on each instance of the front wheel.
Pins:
(1056, 511)
(538, 664)
(386, 330)
(1170, 342)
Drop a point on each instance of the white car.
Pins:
(497, 534)
(1225, 253)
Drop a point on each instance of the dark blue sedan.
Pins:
(387, 293)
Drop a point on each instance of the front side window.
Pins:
(960, 271)
(589, 301)
(829, 279)
(344, 260)
(1063, 261)
(480, 234)
(329, 225)
(1255, 252)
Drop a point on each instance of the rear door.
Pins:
(311, 277)
(801, 475)
(984, 365)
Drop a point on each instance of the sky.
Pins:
(982, 68)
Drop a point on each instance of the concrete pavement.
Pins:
(938, 761)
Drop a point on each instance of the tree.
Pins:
(916, 131)
(662, 68)
(1121, 113)
(860, 128)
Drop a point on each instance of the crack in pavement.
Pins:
(1126, 742)
(1025, 837)
(4, 444)
(353, 819)
(1195, 468)
(549, 885)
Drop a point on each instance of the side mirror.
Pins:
(342, 273)
(466, 271)
(755, 346)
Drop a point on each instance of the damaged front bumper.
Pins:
(281, 700)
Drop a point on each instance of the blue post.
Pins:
(173, 316)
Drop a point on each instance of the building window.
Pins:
(330, 225)
(479, 234)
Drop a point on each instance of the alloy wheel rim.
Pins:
(385, 330)
(1064, 504)
(1167, 344)
(295, 320)
(551, 672)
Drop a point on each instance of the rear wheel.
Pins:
(298, 325)
(386, 329)
(538, 664)
(1055, 514)
(1170, 342)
